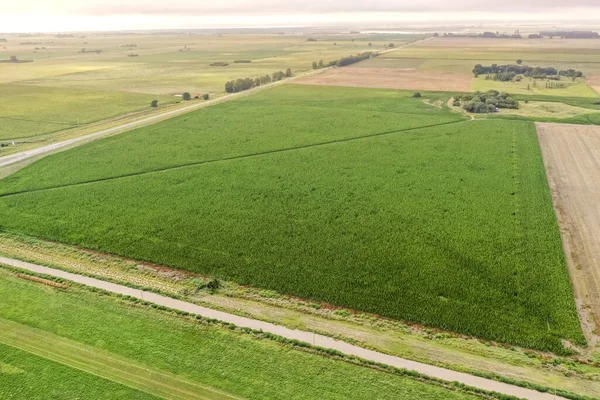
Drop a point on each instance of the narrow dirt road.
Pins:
(308, 337)
(572, 159)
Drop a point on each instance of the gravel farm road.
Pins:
(308, 337)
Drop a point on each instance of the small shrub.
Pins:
(154, 103)
(206, 96)
(417, 95)
(187, 96)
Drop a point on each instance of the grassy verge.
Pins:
(230, 360)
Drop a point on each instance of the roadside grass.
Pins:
(25, 376)
(236, 363)
(276, 119)
(376, 224)
(32, 110)
(101, 364)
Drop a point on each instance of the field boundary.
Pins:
(292, 334)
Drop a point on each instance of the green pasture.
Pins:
(24, 376)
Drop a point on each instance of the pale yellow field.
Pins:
(543, 109)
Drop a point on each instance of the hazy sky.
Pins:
(50, 15)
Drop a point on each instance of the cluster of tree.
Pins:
(570, 73)
(342, 62)
(132, 55)
(485, 102)
(311, 39)
(219, 64)
(239, 85)
(571, 34)
(508, 72)
(242, 61)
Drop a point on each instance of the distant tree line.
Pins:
(342, 62)
(219, 64)
(509, 72)
(239, 85)
(571, 34)
(242, 61)
(485, 102)
(489, 35)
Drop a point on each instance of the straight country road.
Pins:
(308, 337)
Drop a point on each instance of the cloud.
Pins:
(262, 7)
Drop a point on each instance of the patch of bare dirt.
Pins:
(572, 159)
(391, 78)
(594, 82)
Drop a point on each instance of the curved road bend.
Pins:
(308, 337)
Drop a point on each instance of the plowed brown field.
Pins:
(391, 78)
(572, 159)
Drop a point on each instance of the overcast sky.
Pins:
(42, 15)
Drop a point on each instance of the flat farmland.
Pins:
(391, 78)
(572, 159)
(368, 199)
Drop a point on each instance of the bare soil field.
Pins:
(594, 82)
(572, 160)
(391, 78)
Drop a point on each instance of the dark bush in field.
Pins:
(186, 96)
(154, 103)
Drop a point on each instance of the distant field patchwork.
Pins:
(369, 199)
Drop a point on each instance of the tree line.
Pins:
(342, 62)
(239, 85)
(509, 72)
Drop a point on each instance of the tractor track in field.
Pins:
(303, 336)
(233, 158)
